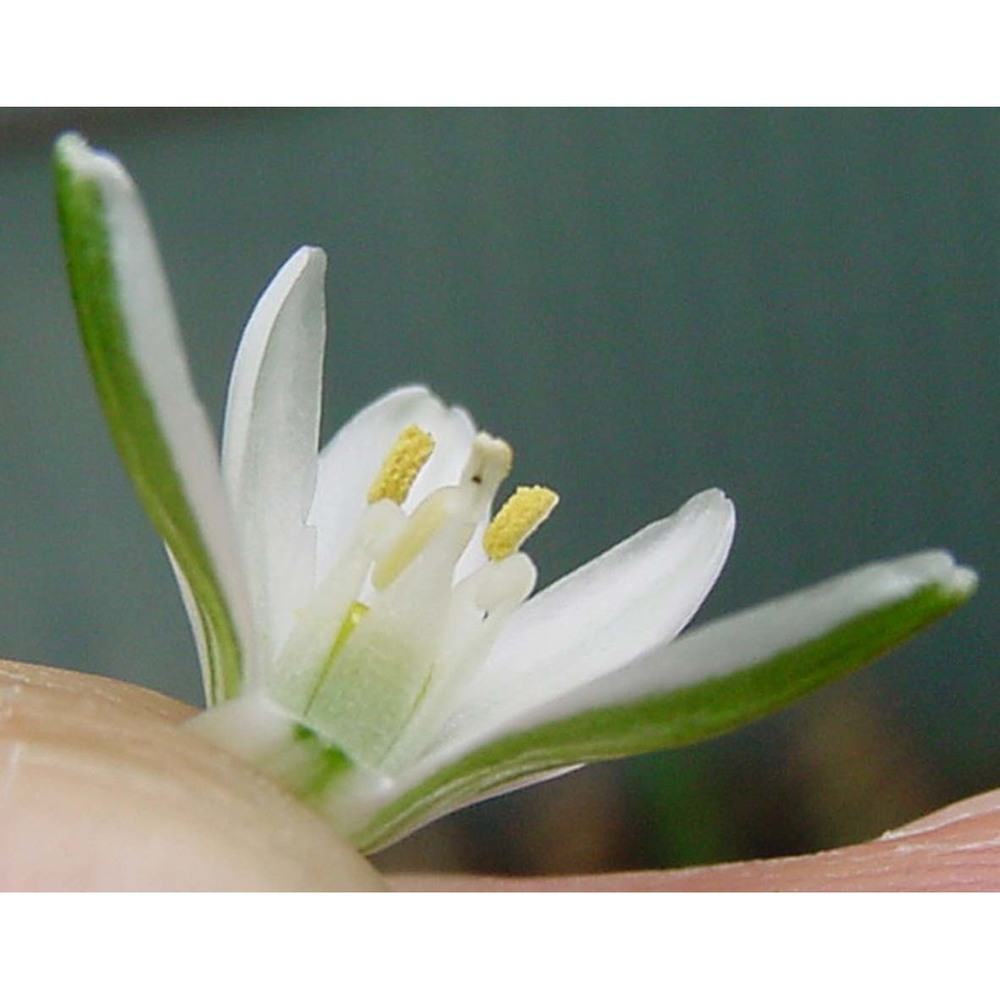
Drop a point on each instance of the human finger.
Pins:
(101, 789)
(955, 849)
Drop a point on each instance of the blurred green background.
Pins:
(800, 307)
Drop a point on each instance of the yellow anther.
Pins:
(516, 519)
(412, 449)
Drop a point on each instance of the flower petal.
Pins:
(759, 635)
(134, 347)
(717, 678)
(271, 438)
(350, 461)
(598, 618)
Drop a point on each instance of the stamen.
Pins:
(517, 519)
(421, 526)
(405, 460)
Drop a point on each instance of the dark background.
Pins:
(800, 307)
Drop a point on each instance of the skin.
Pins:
(101, 788)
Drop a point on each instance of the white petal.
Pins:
(352, 459)
(271, 438)
(749, 637)
(155, 347)
(602, 616)
(824, 629)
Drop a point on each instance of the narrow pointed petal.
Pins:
(133, 345)
(845, 620)
(271, 439)
(717, 678)
(602, 616)
(350, 461)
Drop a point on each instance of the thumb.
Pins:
(100, 788)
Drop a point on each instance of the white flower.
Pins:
(364, 621)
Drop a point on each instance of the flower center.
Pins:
(413, 608)
(489, 464)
